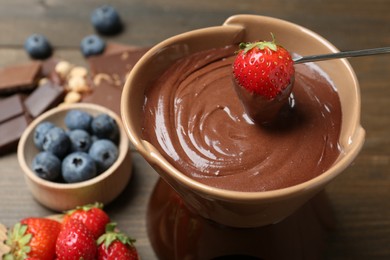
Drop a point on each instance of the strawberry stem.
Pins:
(18, 241)
(113, 234)
(85, 207)
(247, 46)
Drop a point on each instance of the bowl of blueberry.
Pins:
(74, 155)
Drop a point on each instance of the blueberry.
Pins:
(105, 127)
(106, 20)
(104, 152)
(94, 138)
(77, 167)
(92, 45)
(56, 141)
(80, 140)
(77, 119)
(38, 46)
(47, 166)
(40, 132)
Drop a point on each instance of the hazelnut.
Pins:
(72, 97)
(63, 68)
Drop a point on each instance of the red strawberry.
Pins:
(264, 68)
(92, 216)
(116, 245)
(264, 73)
(33, 238)
(75, 241)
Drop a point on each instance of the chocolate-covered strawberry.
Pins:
(263, 74)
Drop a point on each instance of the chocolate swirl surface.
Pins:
(194, 117)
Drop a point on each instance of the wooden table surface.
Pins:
(360, 197)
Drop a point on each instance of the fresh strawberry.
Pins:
(33, 238)
(92, 216)
(116, 245)
(75, 241)
(263, 68)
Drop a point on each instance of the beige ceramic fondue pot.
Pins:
(233, 208)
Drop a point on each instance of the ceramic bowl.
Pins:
(103, 188)
(233, 208)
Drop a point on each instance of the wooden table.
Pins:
(360, 196)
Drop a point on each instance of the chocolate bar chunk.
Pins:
(48, 66)
(105, 94)
(43, 98)
(19, 77)
(109, 72)
(112, 48)
(10, 132)
(116, 64)
(10, 107)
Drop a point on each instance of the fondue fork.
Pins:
(341, 54)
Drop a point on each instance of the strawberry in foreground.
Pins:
(33, 238)
(116, 245)
(75, 241)
(263, 75)
(92, 216)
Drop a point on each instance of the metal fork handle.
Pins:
(342, 54)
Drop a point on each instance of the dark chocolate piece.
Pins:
(116, 64)
(109, 72)
(43, 98)
(11, 131)
(19, 77)
(112, 48)
(10, 107)
(48, 71)
(105, 94)
(48, 66)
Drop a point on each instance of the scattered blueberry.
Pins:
(104, 152)
(47, 166)
(105, 127)
(77, 167)
(77, 119)
(40, 132)
(56, 141)
(80, 140)
(106, 20)
(38, 46)
(92, 45)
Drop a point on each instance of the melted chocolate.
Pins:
(193, 115)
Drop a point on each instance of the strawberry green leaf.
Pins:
(85, 207)
(261, 45)
(18, 241)
(112, 234)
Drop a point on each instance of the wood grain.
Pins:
(360, 196)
